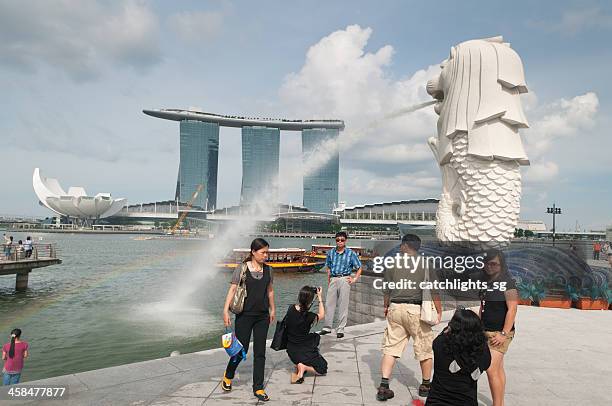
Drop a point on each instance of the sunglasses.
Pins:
(340, 239)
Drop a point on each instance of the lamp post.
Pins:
(554, 211)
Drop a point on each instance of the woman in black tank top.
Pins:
(257, 314)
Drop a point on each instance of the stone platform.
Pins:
(559, 357)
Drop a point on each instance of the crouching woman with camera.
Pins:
(302, 345)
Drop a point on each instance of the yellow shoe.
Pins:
(261, 395)
(226, 384)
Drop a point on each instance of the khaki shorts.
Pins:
(403, 322)
(499, 348)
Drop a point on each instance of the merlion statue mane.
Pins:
(478, 147)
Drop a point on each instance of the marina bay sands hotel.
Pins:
(199, 156)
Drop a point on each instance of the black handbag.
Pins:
(279, 341)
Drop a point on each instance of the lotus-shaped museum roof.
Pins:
(75, 202)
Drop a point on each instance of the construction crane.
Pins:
(184, 213)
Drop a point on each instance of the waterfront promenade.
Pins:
(559, 357)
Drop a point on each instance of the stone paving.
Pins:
(559, 357)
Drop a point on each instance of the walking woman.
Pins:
(302, 345)
(498, 311)
(461, 354)
(257, 314)
(13, 355)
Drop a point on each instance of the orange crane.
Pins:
(184, 213)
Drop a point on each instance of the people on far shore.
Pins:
(498, 312)
(19, 251)
(257, 314)
(27, 246)
(340, 263)
(596, 250)
(302, 345)
(13, 354)
(8, 245)
(461, 355)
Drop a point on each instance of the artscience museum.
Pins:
(75, 203)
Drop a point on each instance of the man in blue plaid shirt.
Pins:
(340, 264)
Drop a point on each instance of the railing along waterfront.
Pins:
(15, 252)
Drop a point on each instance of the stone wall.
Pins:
(366, 303)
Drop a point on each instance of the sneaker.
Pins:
(384, 394)
(424, 389)
(340, 335)
(226, 384)
(323, 332)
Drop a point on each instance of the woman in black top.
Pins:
(498, 308)
(257, 314)
(302, 345)
(461, 354)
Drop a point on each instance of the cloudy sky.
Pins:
(75, 76)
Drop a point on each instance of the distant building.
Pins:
(321, 184)
(200, 148)
(74, 204)
(531, 225)
(260, 158)
(402, 216)
(199, 157)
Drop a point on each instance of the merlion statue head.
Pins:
(478, 146)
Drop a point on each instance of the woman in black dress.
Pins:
(302, 345)
(257, 314)
(461, 354)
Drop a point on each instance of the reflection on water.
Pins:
(112, 302)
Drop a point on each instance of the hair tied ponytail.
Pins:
(14, 335)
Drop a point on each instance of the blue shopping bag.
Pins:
(232, 345)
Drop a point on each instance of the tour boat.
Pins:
(279, 259)
(319, 252)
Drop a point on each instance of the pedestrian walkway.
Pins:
(559, 357)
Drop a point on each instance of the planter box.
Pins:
(525, 302)
(556, 302)
(585, 303)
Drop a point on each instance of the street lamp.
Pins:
(554, 211)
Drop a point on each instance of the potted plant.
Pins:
(525, 293)
(572, 292)
(606, 294)
(592, 298)
(537, 292)
(555, 293)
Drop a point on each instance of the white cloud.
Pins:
(340, 79)
(562, 118)
(414, 184)
(81, 38)
(394, 153)
(196, 26)
(541, 172)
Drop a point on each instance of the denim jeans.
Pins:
(10, 378)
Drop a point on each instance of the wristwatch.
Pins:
(503, 333)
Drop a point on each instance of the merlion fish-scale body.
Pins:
(478, 147)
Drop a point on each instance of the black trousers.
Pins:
(258, 326)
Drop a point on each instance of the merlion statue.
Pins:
(478, 147)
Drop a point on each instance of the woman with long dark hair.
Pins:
(13, 355)
(498, 307)
(461, 354)
(302, 345)
(257, 314)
